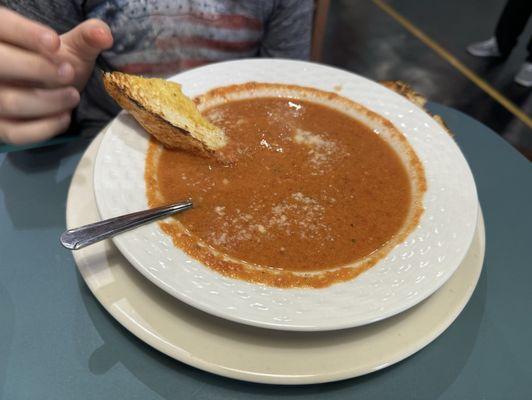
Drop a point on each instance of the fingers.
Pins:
(30, 35)
(88, 39)
(19, 102)
(23, 65)
(34, 56)
(28, 52)
(29, 115)
(20, 132)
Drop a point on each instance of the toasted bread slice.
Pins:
(165, 112)
(407, 91)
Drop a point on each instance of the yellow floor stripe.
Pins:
(468, 73)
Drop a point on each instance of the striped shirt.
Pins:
(163, 37)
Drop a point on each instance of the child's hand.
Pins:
(42, 73)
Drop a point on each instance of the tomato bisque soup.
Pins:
(319, 189)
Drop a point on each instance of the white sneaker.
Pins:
(487, 48)
(524, 76)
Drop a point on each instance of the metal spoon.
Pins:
(77, 238)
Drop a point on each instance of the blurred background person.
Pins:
(512, 23)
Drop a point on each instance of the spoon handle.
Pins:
(78, 238)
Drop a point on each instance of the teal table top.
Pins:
(57, 342)
(61, 139)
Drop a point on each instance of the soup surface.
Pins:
(314, 196)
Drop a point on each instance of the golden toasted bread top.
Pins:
(166, 100)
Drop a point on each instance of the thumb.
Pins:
(88, 39)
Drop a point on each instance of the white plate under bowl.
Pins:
(248, 353)
(411, 272)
